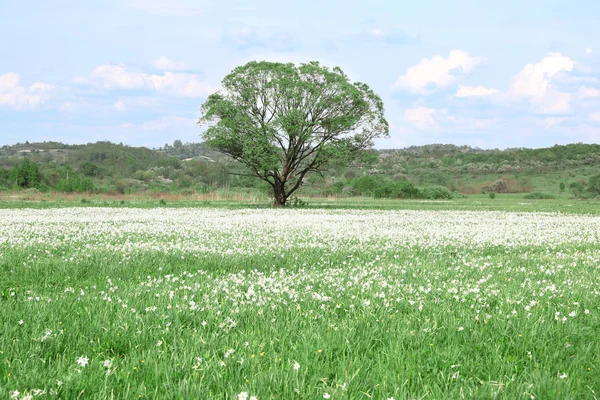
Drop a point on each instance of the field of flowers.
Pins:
(250, 304)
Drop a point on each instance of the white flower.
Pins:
(563, 376)
(243, 396)
(296, 365)
(586, 311)
(107, 364)
(326, 396)
(21, 322)
(14, 394)
(253, 398)
(390, 398)
(460, 328)
(83, 361)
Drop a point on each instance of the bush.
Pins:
(538, 195)
(366, 185)
(398, 190)
(436, 193)
(492, 195)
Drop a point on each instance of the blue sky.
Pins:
(481, 73)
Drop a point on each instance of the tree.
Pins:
(594, 185)
(284, 121)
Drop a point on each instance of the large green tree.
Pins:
(284, 121)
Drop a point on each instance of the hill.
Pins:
(110, 167)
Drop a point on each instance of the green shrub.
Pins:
(492, 195)
(538, 195)
(436, 193)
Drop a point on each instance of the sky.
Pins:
(488, 74)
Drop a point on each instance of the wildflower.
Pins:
(83, 361)
(296, 365)
(243, 396)
(326, 396)
(107, 364)
(14, 394)
(253, 398)
(563, 375)
(21, 322)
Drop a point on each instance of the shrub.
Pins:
(437, 193)
(492, 195)
(538, 195)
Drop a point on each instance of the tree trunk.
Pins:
(280, 196)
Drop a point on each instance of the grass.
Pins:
(516, 202)
(212, 303)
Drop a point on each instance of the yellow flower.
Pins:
(262, 354)
(253, 355)
(320, 351)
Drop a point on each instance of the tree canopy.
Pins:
(284, 121)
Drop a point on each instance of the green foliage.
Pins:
(578, 189)
(284, 121)
(539, 195)
(398, 190)
(436, 193)
(25, 175)
(594, 185)
(492, 195)
(562, 186)
(366, 185)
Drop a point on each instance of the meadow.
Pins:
(256, 303)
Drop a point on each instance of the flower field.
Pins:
(298, 304)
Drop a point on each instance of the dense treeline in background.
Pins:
(437, 171)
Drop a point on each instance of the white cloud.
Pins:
(421, 117)
(595, 116)
(77, 105)
(14, 96)
(119, 105)
(165, 64)
(534, 83)
(117, 76)
(438, 71)
(376, 32)
(585, 92)
(168, 8)
(396, 36)
(549, 122)
(246, 38)
(588, 52)
(162, 123)
(469, 91)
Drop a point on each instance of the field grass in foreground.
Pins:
(298, 304)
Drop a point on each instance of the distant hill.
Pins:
(195, 167)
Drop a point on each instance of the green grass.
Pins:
(516, 202)
(363, 317)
